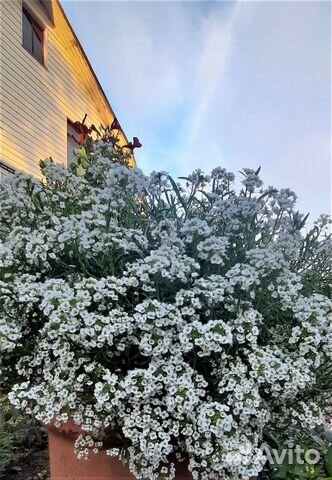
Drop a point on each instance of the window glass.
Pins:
(27, 33)
(72, 141)
(33, 36)
(37, 46)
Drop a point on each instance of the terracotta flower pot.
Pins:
(65, 466)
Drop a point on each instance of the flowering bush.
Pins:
(169, 321)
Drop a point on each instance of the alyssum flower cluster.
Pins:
(169, 321)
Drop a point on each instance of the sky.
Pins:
(231, 84)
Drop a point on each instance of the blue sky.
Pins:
(236, 84)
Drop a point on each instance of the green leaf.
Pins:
(303, 221)
(328, 460)
(80, 171)
(268, 192)
(281, 473)
(82, 153)
(178, 193)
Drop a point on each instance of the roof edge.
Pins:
(89, 66)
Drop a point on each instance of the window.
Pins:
(73, 141)
(33, 37)
(4, 170)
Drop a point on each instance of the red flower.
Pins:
(71, 137)
(134, 144)
(137, 143)
(81, 128)
(116, 125)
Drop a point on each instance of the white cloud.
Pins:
(202, 84)
(211, 64)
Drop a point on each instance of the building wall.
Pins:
(36, 99)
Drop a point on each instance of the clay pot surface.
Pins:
(64, 465)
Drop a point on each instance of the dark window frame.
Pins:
(36, 28)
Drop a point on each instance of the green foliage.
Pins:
(7, 438)
(6, 450)
(297, 468)
(16, 431)
(296, 471)
(328, 460)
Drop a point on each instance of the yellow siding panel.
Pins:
(36, 100)
(52, 95)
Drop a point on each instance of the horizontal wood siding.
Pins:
(36, 100)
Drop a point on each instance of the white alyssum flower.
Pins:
(166, 320)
